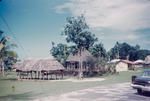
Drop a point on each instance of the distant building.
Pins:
(121, 65)
(139, 63)
(74, 61)
(39, 68)
(147, 61)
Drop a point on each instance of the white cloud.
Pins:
(121, 15)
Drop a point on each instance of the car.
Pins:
(141, 83)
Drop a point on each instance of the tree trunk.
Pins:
(80, 64)
(3, 69)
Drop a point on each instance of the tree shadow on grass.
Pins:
(15, 97)
(11, 79)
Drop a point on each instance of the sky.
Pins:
(36, 23)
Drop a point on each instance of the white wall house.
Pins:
(147, 61)
(121, 65)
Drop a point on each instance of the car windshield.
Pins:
(146, 73)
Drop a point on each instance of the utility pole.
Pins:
(118, 51)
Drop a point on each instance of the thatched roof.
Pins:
(47, 64)
(28, 64)
(39, 64)
(85, 56)
(17, 65)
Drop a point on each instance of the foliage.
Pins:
(98, 51)
(60, 52)
(77, 32)
(7, 56)
(72, 49)
(79, 36)
(126, 51)
(141, 54)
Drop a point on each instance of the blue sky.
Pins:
(36, 23)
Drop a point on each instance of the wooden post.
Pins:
(31, 75)
(62, 74)
(38, 75)
(51, 76)
(35, 75)
(47, 75)
(56, 76)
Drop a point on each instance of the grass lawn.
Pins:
(14, 90)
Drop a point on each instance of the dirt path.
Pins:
(115, 92)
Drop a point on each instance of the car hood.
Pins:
(142, 78)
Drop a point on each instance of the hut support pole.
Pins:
(47, 75)
(38, 74)
(62, 75)
(31, 75)
(35, 75)
(19, 74)
(56, 76)
(51, 76)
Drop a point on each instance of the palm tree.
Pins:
(6, 54)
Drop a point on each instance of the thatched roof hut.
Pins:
(83, 60)
(85, 56)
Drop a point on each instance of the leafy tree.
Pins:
(72, 49)
(114, 52)
(77, 32)
(127, 51)
(60, 52)
(10, 59)
(141, 54)
(124, 50)
(7, 56)
(98, 51)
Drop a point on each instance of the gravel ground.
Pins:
(114, 92)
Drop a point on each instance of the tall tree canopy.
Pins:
(98, 51)
(77, 32)
(60, 52)
(126, 51)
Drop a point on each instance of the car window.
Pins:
(146, 73)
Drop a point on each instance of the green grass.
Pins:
(28, 90)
